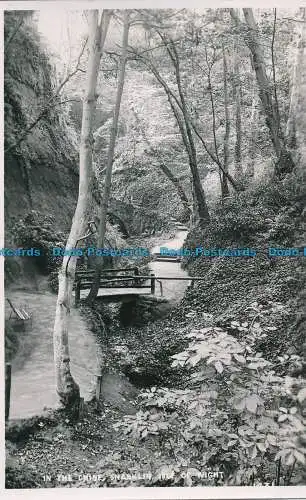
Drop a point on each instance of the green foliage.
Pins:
(38, 231)
(264, 214)
(232, 413)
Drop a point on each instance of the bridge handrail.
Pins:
(81, 284)
(116, 278)
(117, 270)
(88, 283)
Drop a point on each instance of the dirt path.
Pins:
(32, 368)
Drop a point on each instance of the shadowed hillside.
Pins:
(46, 155)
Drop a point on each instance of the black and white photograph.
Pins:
(154, 249)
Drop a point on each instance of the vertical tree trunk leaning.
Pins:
(200, 208)
(296, 124)
(110, 159)
(253, 136)
(237, 96)
(67, 389)
(284, 163)
(226, 151)
(202, 213)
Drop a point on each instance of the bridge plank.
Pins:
(108, 292)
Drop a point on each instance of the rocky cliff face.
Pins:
(41, 169)
(41, 157)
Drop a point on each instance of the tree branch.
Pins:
(170, 95)
(50, 104)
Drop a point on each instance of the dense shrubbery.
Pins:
(241, 410)
(235, 415)
(267, 212)
(38, 231)
(261, 217)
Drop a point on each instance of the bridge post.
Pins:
(153, 283)
(77, 293)
(8, 374)
(137, 280)
(98, 390)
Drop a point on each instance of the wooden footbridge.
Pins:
(115, 284)
(121, 285)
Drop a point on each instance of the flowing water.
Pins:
(33, 380)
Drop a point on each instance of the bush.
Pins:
(236, 415)
(37, 231)
(267, 212)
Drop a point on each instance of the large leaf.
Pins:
(282, 418)
(240, 404)
(261, 446)
(252, 402)
(301, 395)
(239, 358)
(300, 456)
(253, 452)
(194, 359)
(290, 458)
(219, 367)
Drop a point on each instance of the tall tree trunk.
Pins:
(226, 150)
(253, 136)
(296, 124)
(237, 96)
(110, 159)
(284, 163)
(202, 208)
(177, 185)
(172, 98)
(67, 388)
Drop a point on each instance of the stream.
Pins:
(33, 381)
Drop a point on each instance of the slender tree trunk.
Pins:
(67, 388)
(202, 208)
(212, 102)
(237, 95)
(296, 120)
(253, 136)
(284, 162)
(226, 150)
(173, 98)
(110, 159)
(177, 185)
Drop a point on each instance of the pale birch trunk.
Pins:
(67, 388)
(110, 157)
